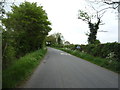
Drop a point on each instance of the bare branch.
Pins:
(101, 15)
(106, 8)
(112, 3)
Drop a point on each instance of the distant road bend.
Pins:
(62, 70)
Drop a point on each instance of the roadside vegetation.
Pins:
(25, 34)
(105, 55)
(103, 62)
(22, 68)
(24, 30)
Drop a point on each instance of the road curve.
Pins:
(62, 70)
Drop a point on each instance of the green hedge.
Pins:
(108, 50)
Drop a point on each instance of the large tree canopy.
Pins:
(28, 17)
(27, 26)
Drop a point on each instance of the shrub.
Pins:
(21, 69)
(103, 50)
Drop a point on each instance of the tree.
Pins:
(93, 26)
(59, 38)
(26, 28)
(51, 40)
(56, 38)
(30, 23)
(114, 3)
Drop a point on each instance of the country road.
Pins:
(62, 70)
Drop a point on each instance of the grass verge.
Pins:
(106, 63)
(21, 69)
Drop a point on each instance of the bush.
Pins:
(97, 50)
(21, 69)
(103, 50)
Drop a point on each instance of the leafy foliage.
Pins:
(107, 50)
(92, 26)
(103, 50)
(55, 39)
(26, 29)
(22, 68)
(93, 31)
(51, 40)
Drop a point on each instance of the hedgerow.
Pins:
(108, 50)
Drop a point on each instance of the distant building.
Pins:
(66, 43)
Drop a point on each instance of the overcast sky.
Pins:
(63, 15)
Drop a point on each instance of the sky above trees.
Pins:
(63, 15)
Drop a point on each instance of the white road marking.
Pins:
(65, 54)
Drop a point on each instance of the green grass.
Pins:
(21, 69)
(113, 66)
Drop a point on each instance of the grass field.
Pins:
(21, 69)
